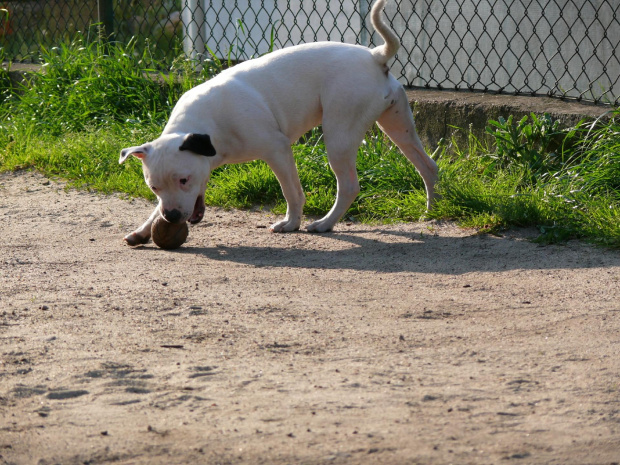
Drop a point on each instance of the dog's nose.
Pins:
(172, 216)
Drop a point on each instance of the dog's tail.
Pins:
(386, 51)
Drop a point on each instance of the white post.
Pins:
(193, 17)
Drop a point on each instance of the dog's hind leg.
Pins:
(342, 156)
(283, 166)
(397, 122)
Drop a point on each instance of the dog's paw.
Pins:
(319, 226)
(284, 226)
(135, 239)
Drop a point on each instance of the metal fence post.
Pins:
(363, 35)
(106, 16)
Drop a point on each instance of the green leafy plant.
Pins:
(537, 144)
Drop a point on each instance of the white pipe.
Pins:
(193, 17)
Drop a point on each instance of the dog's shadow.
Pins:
(414, 252)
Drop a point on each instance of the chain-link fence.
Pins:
(561, 48)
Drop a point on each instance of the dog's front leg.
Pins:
(143, 233)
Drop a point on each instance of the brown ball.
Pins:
(168, 235)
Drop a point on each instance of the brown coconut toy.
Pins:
(168, 235)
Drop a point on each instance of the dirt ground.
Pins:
(403, 344)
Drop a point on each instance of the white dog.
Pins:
(257, 109)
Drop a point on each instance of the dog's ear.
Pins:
(199, 144)
(139, 152)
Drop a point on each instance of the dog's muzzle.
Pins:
(172, 216)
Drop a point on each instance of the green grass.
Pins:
(93, 99)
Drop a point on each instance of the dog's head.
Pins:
(176, 167)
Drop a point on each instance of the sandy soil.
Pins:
(405, 344)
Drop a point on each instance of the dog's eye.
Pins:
(183, 181)
(153, 188)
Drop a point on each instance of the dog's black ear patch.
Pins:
(199, 144)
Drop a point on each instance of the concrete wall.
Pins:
(450, 114)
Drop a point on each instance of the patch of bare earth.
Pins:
(412, 343)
